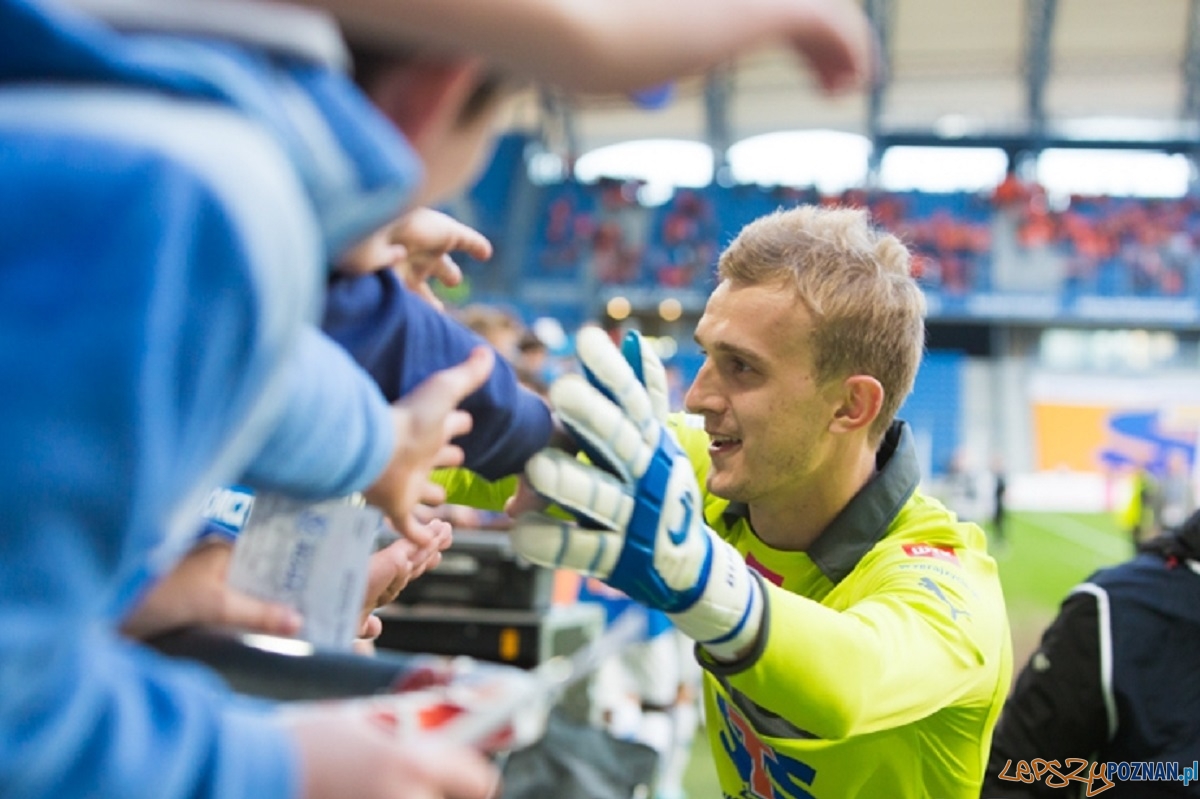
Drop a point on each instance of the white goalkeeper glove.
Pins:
(652, 542)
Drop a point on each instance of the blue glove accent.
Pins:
(631, 350)
(751, 608)
(635, 572)
(594, 456)
(653, 543)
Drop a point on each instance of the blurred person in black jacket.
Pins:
(1113, 691)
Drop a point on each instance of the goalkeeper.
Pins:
(852, 630)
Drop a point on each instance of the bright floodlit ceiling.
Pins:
(958, 67)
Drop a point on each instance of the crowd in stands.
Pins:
(1107, 245)
(1115, 245)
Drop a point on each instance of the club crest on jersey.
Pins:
(765, 772)
(944, 554)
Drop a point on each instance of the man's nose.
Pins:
(700, 397)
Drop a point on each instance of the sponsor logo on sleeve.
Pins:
(944, 554)
(935, 589)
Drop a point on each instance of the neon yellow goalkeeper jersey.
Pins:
(886, 654)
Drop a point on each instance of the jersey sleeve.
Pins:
(464, 487)
(912, 645)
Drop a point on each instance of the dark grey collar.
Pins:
(865, 519)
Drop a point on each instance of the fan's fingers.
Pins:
(431, 494)
(607, 370)
(449, 272)
(582, 489)
(554, 543)
(602, 426)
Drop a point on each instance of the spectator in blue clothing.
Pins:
(175, 180)
(380, 309)
(168, 206)
(393, 337)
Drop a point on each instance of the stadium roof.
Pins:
(988, 69)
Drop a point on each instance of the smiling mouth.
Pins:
(722, 445)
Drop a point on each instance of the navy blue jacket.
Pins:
(1115, 679)
(401, 340)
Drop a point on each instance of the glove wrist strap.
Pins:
(727, 617)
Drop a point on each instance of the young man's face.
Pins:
(766, 417)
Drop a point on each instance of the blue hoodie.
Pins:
(167, 204)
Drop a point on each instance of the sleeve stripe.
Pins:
(1106, 652)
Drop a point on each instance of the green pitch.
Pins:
(1044, 555)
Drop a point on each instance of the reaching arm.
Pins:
(909, 648)
(619, 45)
(400, 340)
(336, 433)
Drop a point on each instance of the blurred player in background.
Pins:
(648, 692)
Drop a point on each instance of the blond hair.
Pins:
(868, 312)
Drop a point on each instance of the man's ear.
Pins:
(860, 403)
(424, 99)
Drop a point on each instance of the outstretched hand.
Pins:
(418, 247)
(428, 237)
(837, 42)
(197, 592)
(348, 754)
(426, 421)
(392, 568)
